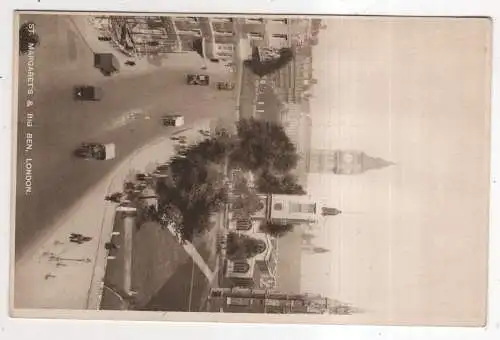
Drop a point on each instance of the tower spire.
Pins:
(344, 162)
(326, 211)
(373, 163)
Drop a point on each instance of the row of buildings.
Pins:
(292, 87)
(281, 97)
(217, 35)
(273, 302)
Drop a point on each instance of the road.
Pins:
(61, 61)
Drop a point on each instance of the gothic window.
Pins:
(241, 267)
(302, 208)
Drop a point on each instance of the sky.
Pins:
(411, 246)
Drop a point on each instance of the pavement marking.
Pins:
(191, 288)
(128, 227)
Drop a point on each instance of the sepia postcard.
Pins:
(235, 168)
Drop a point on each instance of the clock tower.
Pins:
(344, 162)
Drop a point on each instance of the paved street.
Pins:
(63, 60)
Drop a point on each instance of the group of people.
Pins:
(79, 238)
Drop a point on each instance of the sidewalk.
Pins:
(59, 274)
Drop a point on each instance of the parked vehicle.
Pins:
(96, 151)
(108, 63)
(173, 120)
(198, 79)
(225, 85)
(87, 93)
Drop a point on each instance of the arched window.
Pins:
(241, 267)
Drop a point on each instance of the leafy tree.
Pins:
(245, 199)
(262, 68)
(196, 184)
(276, 230)
(27, 37)
(264, 145)
(279, 184)
(241, 247)
(195, 187)
(245, 205)
(213, 149)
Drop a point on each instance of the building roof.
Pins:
(372, 163)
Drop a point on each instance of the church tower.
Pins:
(344, 162)
(293, 209)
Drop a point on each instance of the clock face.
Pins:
(348, 158)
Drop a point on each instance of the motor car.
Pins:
(225, 85)
(198, 79)
(97, 151)
(87, 93)
(173, 120)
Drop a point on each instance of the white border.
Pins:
(63, 329)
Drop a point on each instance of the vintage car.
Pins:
(198, 79)
(96, 151)
(173, 120)
(108, 63)
(225, 85)
(87, 93)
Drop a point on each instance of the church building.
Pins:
(260, 270)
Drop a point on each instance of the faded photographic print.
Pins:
(276, 169)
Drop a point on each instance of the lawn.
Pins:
(156, 257)
(158, 260)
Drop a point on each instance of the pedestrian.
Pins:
(115, 197)
(76, 238)
(140, 177)
(110, 246)
(79, 238)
